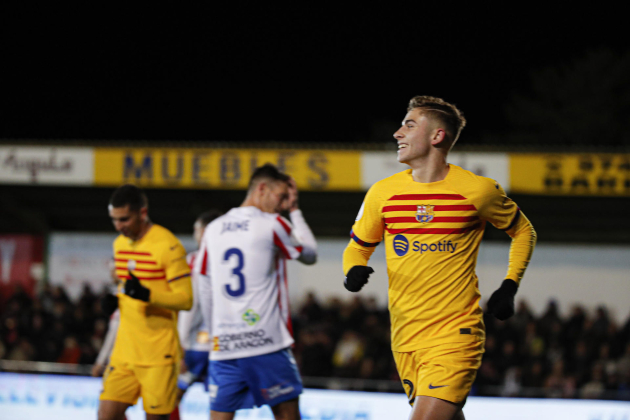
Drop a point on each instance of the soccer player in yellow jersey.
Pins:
(432, 217)
(146, 356)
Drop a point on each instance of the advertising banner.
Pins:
(571, 174)
(55, 397)
(224, 168)
(42, 165)
(379, 165)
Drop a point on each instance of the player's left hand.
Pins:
(135, 290)
(501, 303)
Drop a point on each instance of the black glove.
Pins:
(109, 303)
(135, 290)
(357, 277)
(501, 303)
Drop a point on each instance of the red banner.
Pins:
(20, 257)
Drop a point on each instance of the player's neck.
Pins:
(429, 169)
(143, 231)
(251, 201)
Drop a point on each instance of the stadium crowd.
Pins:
(580, 356)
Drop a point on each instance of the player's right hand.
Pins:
(357, 277)
(134, 289)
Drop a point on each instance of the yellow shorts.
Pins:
(157, 385)
(446, 371)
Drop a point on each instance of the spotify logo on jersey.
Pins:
(401, 245)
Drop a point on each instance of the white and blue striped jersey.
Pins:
(243, 282)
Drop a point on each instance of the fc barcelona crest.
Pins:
(424, 213)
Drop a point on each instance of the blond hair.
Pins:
(440, 111)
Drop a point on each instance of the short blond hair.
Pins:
(437, 109)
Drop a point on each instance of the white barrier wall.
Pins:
(587, 274)
(54, 397)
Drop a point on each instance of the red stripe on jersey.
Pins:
(204, 264)
(279, 244)
(137, 261)
(284, 225)
(432, 231)
(444, 219)
(146, 270)
(454, 207)
(126, 277)
(428, 197)
(191, 264)
(133, 253)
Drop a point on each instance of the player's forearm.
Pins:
(179, 298)
(523, 243)
(355, 254)
(305, 235)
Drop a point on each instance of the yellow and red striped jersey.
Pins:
(432, 233)
(148, 334)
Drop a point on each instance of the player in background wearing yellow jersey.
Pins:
(146, 356)
(432, 217)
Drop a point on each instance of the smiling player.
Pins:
(432, 218)
(145, 359)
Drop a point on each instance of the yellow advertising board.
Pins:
(605, 174)
(224, 168)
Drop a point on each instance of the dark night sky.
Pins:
(261, 75)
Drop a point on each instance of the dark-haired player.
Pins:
(244, 295)
(432, 217)
(145, 359)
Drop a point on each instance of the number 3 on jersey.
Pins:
(236, 271)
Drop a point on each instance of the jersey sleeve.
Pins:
(302, 236)
(369, 225)
(177, 271)
(174, 261)
(496, 207)
(284, 238)
(367, 232)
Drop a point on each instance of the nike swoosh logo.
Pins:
(173, 247)
(436, 386)
(154, 406)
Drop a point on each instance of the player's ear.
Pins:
(144, 213)
(439, 137)
(262, 186)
